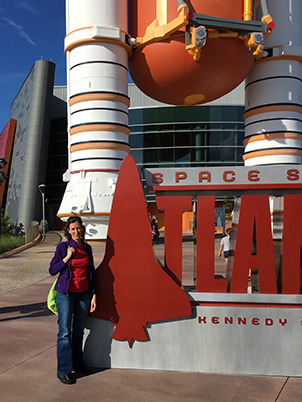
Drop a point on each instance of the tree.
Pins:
(229, 205)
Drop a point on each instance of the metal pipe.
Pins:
(181, 3)
(248, 12)
(264, 7)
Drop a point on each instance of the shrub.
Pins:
(6, 227)
(9, 238)
(10, 242)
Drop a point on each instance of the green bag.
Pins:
(51, 299)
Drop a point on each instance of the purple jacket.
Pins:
(58, 266)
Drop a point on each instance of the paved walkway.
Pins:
(28, 351)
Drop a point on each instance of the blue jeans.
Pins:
(72, 314)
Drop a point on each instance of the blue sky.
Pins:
(30, 30)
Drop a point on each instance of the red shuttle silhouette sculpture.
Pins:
(132, 289)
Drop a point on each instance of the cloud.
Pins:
(25, 5)
(20, 30)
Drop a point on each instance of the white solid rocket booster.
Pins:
(273, 124)
(97, 85)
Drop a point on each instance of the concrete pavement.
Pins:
(28, 349)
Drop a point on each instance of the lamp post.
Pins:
(42, 188)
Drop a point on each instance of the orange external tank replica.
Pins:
(166, 67)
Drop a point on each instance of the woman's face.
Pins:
(76, 231)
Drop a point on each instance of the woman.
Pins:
(73, 261)
(155, 231)
(225, 246)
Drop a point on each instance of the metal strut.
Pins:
(199, 27)
(253, 32)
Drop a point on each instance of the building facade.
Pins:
(206, 135)
(32, 111)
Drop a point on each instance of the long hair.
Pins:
(73, 219)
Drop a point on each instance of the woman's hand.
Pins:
(70, 253)
(220, 251)
(93, 304)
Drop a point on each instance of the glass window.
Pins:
(199, 126)
(151, 115)
(57, 162)
(216, 113)
(150, 127)
(182, 155)
(240, 152)
(229, 113)
(166, 140)
(166, 115)
(214, 138)
(183, 114)
(214, 154)
(240, 138)
(228, 138)
(150, 140)
(61, 136)
(54, 177)
(182, 139)
(57, 148)
(183, 126)
(215, 126)
(228, 154)
(55, 191)
(136, 129)
(197, 135)
(200, 113)
(150, 155)
(166, 127)
(135, 116)
(166, 155)
(58, 125)
(240, 112)
(136, 140)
